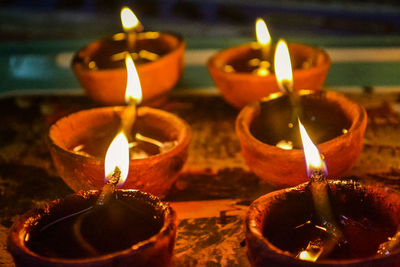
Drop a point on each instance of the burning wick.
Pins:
(133, 96)
(116, 167)
(317, 171)
(131, 26)
(264, 40)
(284, 77)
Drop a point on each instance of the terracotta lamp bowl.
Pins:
(95, 128)
(29, 248)
(335, 123)
(105, 81)
(242, 87)
(272, 232)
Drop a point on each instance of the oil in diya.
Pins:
(100, 66)
(111, 227)
(336, 223)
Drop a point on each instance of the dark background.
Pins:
(72, 19)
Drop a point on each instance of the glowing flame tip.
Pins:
(129, 19)
(262, 33)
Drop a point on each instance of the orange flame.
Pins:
(133, 89)
(262, 33)
(283, 67)
(311, 153)
(129, 19)
(117, 156)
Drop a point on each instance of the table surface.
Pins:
(215, 187)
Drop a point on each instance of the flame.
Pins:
(283, 66)
(133, 89)
(311, 153)
(262, 33)
(117, 156)
(129, 19)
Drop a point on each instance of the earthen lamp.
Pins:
(159, 143)
(324, 223)
(111, 227)
(244, 74)
(268, 133)
(100, 69)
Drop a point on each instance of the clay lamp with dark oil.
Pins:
(324, 223)
(244, 73)
(159, 58)
(267, 131)
(158, 140)
(111, 227)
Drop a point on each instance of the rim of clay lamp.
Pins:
(254, 220)
(17, 234)
(183, 139)
(353, 111)
(77, 65)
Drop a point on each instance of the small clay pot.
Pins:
(242, 88)
(157, 250)
(154, 174)
(260, 125)
(279, 210)
(107, 84)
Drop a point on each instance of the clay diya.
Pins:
(100, 67)
(239, 74)
(98, 228)
(78, 144)
(147, 239)
(268, 129)
(321, 223)
(336, 124)
(368, 215)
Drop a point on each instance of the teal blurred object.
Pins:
(43, 66)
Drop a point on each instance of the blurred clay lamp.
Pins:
(98, 228)
(158, 142)
(267, 129)
(244, 73)
(324, 223)
(101, 70)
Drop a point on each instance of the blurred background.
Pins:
(68, 19)
(39, 38)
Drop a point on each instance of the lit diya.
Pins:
(110, 227)
(244, 73)
(100, 66)
(267, 129)
(158, 143)
(324, 223)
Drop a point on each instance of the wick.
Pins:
(128, 118)
(131, 37)
(106, 194)
(320, 193)
(265, 51)
(149, 140)
(109, 188)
